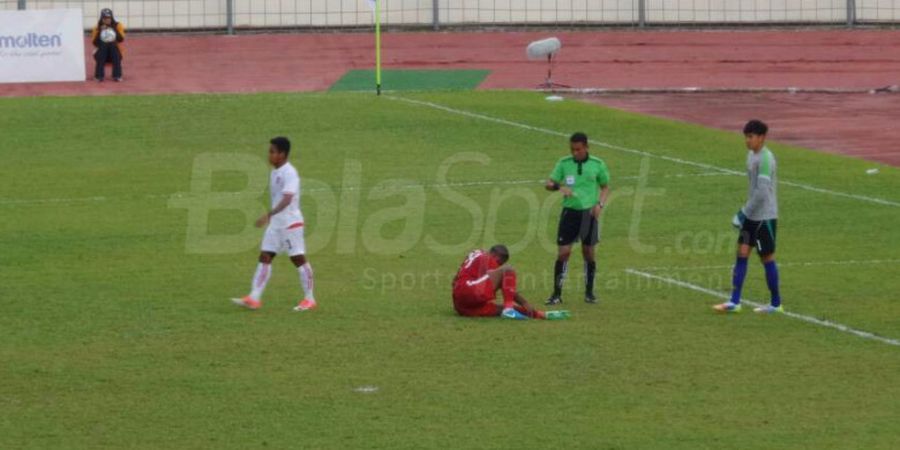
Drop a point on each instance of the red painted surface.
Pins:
(614, 59)
(611, 59)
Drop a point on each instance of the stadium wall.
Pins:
(251, 14)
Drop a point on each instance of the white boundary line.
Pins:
(8, 201)
(801, 317)
(561, 134)
(638, 152)
(707, 90)
(848, 262)
(40, 201)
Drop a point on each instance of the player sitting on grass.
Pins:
(757, 220)
(480, 276)
(284, 233)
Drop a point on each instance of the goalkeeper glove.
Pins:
(738, 220)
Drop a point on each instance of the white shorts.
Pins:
(279, 239)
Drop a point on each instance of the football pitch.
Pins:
(127, 226)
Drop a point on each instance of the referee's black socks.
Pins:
(559, 274)
(590, 269)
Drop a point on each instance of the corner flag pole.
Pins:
(378, 47)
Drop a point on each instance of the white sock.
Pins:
(306, 280)
(260, 279)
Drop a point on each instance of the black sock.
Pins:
(559, 274)
(590, 269)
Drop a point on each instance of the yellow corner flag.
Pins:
(376, 7)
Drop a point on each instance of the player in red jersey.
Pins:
(480, 276)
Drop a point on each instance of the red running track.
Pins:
(614, 59)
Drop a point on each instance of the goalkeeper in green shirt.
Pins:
(583, 181)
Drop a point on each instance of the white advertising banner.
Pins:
(41, 45)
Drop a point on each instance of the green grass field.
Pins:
(116, 329)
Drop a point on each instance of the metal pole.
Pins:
(642, 13)
(229, 16)
(851, 13)
(378, 47)
(435, 15)
(22, 4)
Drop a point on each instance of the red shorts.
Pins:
(475, 298)
(489, 309)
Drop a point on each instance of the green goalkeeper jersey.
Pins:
(583, 178)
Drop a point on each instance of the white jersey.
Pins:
(284, 180)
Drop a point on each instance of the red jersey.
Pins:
(475, 266)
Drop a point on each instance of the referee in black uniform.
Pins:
(583, 181)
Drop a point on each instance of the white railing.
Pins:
(239, 15)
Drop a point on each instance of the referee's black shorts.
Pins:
(577, 225)
(759, 234)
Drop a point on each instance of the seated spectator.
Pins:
(108, 36)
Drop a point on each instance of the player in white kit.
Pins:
(284, 230)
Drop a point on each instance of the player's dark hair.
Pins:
(757, 127)
(282, 144)
(501, 251)
(579, 137)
